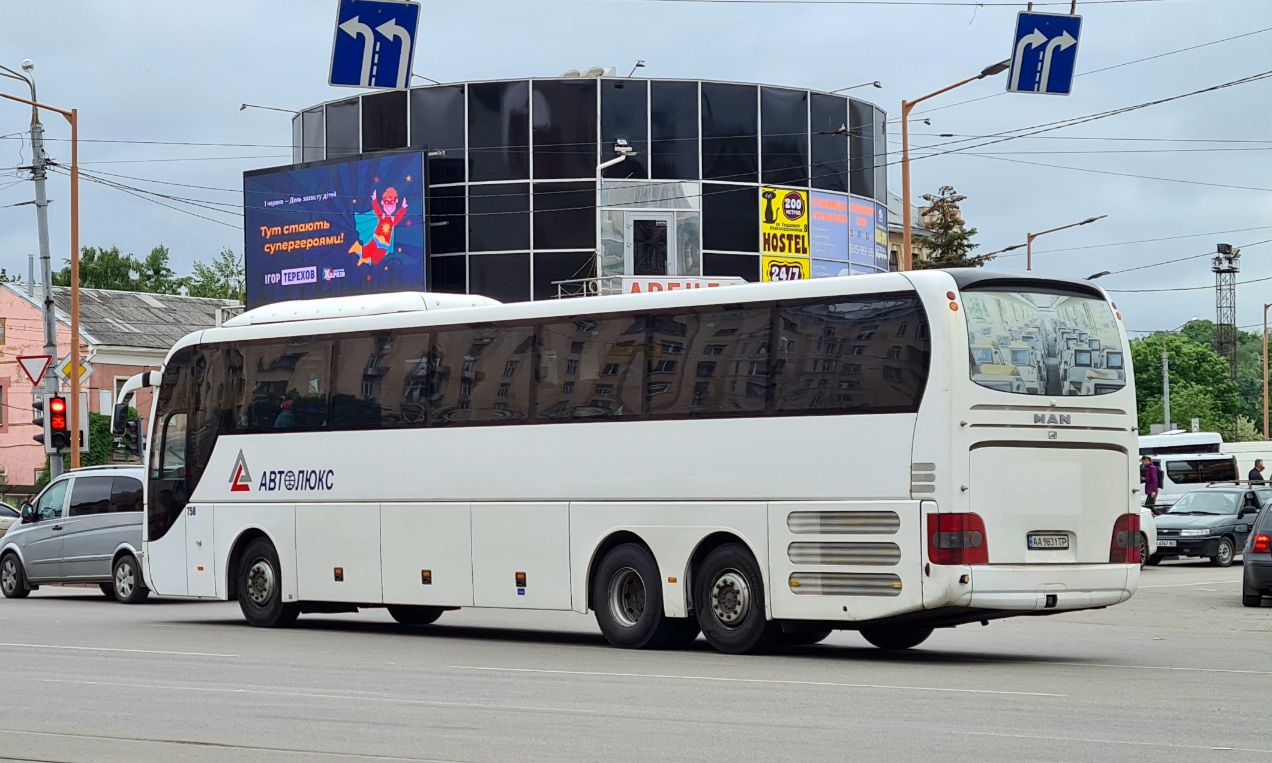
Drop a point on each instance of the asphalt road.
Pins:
(1182, 672)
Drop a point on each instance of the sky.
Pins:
(158, 86)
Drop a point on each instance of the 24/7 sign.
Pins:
(784, 268)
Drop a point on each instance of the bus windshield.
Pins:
(1069, 328)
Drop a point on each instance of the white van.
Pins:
(1189, 471)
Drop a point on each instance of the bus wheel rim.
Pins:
(731, 598)
(260, 583)
(124, 580)
(627, 597)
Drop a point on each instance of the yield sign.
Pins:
(34, 366)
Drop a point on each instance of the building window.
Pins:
(604, 390)
(510, 368)
(571, 367)
(576, 348)
(867, 333)
(663, 367)
(713, 349)
(905, 326)
(610, 369)
(706, 368)
(503, 390)
(567, 388)
(368, 388)
(894, 353)
(892, 374)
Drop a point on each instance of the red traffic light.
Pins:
(57, 414)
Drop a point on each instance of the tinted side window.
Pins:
(481, 375)
(591, 368)
(90, 495)
(851, 355)
(709, 362)
(125, 494)
(730, 140)
(286, 384)
(381, 381)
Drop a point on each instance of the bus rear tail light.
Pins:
(1262, 544)
(957, 539)
(1124, 547)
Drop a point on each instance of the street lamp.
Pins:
(426, 79)
(876, 83)
(621, 151)
(1029, 238)
(266, 108)
(1101, 274)
(71, 116)
(1000, 251)
(907, 248)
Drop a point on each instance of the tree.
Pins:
(951, 243)
(154, 274)
(222, 279)
(101, 268)
(6, 278)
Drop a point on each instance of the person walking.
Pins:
(1256, 474)
(1152, 482)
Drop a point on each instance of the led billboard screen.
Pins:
(334, 229)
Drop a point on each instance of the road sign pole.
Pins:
(40, 173)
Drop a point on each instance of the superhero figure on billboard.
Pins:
(375, 228)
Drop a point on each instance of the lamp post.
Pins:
(621, 151)
(876, 83)
(71, 116)
(1029, 238)
(266, 108)
(907, 249)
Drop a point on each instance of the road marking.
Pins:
(1168, 745)
(221, 746)
(943, 689)
(1103, 665)
(109, 649)
(1187, 585)
(316, 695)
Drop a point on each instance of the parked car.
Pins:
(8, 515)
(1212, 522)
(1257, 580)
(1148, 535)
(85, 527)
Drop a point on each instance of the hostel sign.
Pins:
(784, 234)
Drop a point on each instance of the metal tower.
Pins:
(1226, 264)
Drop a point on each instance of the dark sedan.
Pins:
(1257, 581)
(1211, 522)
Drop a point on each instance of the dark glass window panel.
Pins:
(285, 385)
(343, 129)
(380, 381)
(784, 144)
(565, 215)
(437, 124)
(313, 136)
(822, 363)
(125, 494)
(498, 217)
(649, 247)
(861, 145)
(709, 362)
(499, 131)
(298, 140)
(564, 129)
(730, 218)
(674, 128)
(384, 121)
(505, 277)
(881, 156)
(730, 138)
(741, 265)
(481, 375)
(218, 404)
(604, 381)
(449, 274)
(447, 220)
(829, 152)
(90, 495)
(560, 266)
(625, 115)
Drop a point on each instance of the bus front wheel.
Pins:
(260, 591)
(895, 639)
(414, 615)
(628, 602)
(729, 601)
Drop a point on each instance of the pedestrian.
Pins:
(286, 419)
(1152, 482)
(1256, 474)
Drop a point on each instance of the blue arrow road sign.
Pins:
(1044, 53)
(374, 44)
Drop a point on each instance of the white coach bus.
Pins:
(759, 463)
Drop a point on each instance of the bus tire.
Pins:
(260, 591)
(628, 603)
(803, 638)
(729, 601)
(12, 578)
(414, 615)
(128, 587)
(896, 638)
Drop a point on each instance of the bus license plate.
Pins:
(1043, 542)
(1166, 543)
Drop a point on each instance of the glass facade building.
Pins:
(517, 204)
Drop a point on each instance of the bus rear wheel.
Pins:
(414, 615)
(896, 638)
(729, 601)
(628, 602)
(260, 590)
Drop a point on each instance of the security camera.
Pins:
(28, 65)
(622, 148)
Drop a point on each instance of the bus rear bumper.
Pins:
(1029, 588)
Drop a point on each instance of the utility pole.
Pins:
(1166, 385)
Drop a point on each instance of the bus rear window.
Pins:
(1073, 347)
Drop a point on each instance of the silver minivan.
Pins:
(85, 527)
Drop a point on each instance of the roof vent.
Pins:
(350, 307)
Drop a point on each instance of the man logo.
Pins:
(240, 478)
(1053, 419)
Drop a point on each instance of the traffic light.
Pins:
(59, 423)
(39, 420)
(132, 437)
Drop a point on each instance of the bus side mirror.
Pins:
(119, 419)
